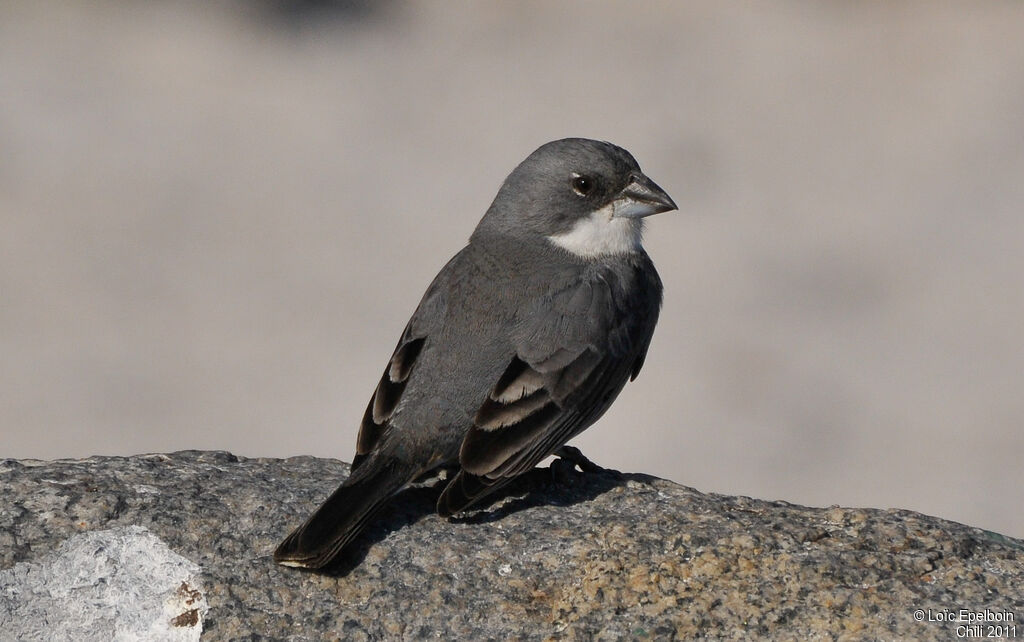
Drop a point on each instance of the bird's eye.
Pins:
(582, 185)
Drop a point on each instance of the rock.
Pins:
(116, 584)
(168, 546)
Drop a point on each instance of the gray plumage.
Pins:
(522, 341)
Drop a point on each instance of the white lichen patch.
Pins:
(121, 584)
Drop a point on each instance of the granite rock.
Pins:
(178, 545)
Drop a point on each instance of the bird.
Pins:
(522, 340)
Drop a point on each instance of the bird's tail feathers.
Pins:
(344, 514)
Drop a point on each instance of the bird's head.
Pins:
(588, 197)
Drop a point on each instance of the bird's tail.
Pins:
(345, 513)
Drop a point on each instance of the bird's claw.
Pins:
(573, 455)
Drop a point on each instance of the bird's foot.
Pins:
(572, 455)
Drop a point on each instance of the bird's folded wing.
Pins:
(574, 353)
(388, 393)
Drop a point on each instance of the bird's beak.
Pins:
(641, 197)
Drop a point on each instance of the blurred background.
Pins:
(216, 218)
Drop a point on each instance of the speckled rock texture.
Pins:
(562, 555)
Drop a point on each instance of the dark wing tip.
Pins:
(463, 491)
(485, 450)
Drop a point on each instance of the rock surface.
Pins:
(112, 584)
(563, 555)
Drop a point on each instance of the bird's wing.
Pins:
(425, 320)
(574, 351)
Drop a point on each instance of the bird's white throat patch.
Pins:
(601, 234)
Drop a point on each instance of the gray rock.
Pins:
(562, 555)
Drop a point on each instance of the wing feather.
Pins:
(388, 394)
(572, 359)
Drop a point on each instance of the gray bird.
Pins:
(521, 342)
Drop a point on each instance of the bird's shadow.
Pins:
(560, 484)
